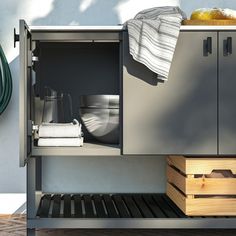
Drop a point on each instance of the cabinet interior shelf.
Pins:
(88, 149)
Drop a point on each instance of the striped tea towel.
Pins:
(153, 35)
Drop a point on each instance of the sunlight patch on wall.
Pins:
(85, 4)
(74, 23)
(128, 9)
(12, 203)
(36, 9)
(28, 10)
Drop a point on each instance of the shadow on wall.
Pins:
(74, 12)
(21, 209)
(9, 135)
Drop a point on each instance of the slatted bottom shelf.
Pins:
(108, 206)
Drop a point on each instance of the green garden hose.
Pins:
(5, 82)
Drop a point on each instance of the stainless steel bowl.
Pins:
(100, 101)
(102, 123)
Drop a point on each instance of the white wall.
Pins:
(61, 12)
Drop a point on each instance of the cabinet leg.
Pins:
(31, 232)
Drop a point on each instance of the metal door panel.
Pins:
(227, 93)
(24, 93)
(178, 116)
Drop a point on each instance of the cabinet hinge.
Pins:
(35, 129)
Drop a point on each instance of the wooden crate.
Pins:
(201, 196)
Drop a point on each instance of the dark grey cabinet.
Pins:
(190, 114)
(178, 116)
(227, 93)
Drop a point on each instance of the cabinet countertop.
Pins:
(120, 28)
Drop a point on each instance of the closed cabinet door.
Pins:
(178, 116)
(227, 93)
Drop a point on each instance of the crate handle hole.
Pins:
(221, 174)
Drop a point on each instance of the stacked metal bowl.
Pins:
(100, 116)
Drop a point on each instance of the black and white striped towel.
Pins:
(153, 35)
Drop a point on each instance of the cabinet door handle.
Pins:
(207, 46)
(228, 49)
(16, 37)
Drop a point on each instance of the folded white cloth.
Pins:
(61, 142)
(60, 130)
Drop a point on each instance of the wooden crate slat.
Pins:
(211, 206)
(56, 206)
(133, 209)
(78, 206)
(156, 210)
(99, 206)
(178, 161)
(142, 206)
(164, 206)
(211, 186)
(202, 206)
(176, 178)
(67, 205)
(207, 165)
(202, 165)
(110, 206)
(120, 205)
(45, 206)
(88, 205)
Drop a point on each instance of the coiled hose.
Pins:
(5, 82)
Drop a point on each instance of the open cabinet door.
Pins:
(25, 93)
